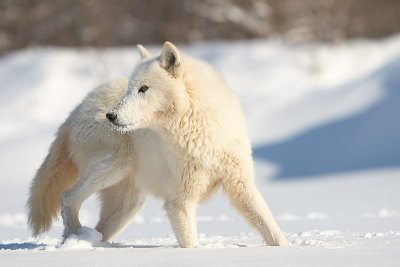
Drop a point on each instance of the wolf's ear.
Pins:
(144, 53)
(170, 59)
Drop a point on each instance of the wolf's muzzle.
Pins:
(112, 117)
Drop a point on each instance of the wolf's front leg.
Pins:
(103, 175)
(249, 202)
(181, 205)
(182, 215)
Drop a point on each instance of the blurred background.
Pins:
(319, 82)
(125, 22)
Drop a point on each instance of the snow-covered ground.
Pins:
(325, 124)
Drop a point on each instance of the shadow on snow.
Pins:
(24, 245)
(367, 140)
(42, 246)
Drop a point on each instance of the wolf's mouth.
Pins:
(115, 123)
(122, 128)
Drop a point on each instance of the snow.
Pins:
(86, 238)
(324, 123)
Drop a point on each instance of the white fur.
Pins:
(180, 140)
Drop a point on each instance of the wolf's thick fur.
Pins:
(176, 132)
(57, 173)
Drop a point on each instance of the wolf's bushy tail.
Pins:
(57, 173)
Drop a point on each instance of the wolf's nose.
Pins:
(111, 116)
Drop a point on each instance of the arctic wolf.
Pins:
(174, 130)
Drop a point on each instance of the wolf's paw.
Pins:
(189, 243)
(86, 238)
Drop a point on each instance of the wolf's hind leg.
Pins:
(182, 215)
(249, 202)
(104, 175)
(119, 203)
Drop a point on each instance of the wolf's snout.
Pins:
(111, 116)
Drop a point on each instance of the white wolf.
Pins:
(174, 130)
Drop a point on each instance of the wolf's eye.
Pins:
(143, 88)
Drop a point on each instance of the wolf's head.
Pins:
(156, 91)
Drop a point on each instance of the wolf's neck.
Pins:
(189, 133)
